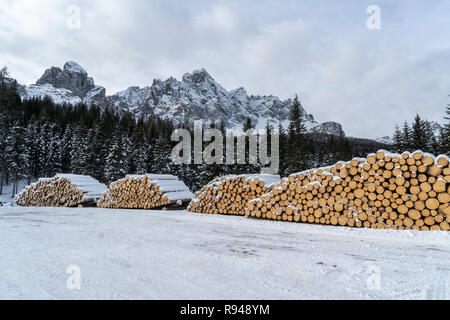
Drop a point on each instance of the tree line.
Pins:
(419, 135)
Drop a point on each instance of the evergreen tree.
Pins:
(345, 152)
(283, 144)
(297, 146)
(215, 170)
(16, 155)
(54, 157)
(444, 141)
(296, 125)
(77, 156)
(65, 150)
(90, 153)
(161, 155)
(44, 147)
(247, 168)
(114, 166)
(430, 142)
(397, 139)
(4, 73)
(407, 144)
(419, 134)
(3, 135)
(101, 146)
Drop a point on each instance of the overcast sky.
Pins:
(368, 80)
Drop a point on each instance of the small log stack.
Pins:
(231, 194)
(383, 191)
(146, 192)
(63, 190)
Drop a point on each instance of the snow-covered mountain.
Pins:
(196, 97)
(329, 127)
(68, 85)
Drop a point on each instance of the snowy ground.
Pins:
(126, 254)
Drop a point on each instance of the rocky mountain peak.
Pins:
(197, 76)
(329, 127)
(71, 66)
(72, 77)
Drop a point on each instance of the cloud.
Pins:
(366, 80)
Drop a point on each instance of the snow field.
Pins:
(133, 254)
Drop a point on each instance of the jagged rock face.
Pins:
(196, 97)
(72, 82)
(199, 97)
(73, 77)
(329, 127)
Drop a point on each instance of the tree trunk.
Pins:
(14, 187)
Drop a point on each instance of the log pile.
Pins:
(63, 190)
(145, 192)
(231, 194)
(383, 191)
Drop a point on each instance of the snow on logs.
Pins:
(383, 191)
(63, 190)
(231, 194)
(145, 192)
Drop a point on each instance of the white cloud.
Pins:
(366, 80)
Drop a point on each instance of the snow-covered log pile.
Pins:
(145, 192)
(231, 194)
(384, 191)
(63, 190)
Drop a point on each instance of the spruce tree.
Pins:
(297, 147)
(296, 125)
(4, 73)
(283, 144)
(407, 144)
(444, 141)
(89, 163)
(3, 135)
(101, 146)
(16, 155)
(114, 166)
(246, 168)
(430, 141)
(162, 156)
(77, 156)
(54, 157)
(65, 149)
(45, 141)
(419, 134)
(33, 145)
(397, 139)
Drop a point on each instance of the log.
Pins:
(63, 190)
(382, 191)
(231, 195)
(147, 191)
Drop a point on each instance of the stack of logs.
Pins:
(231, 194)
(145, 192)
(383, 191)
(63, 190)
